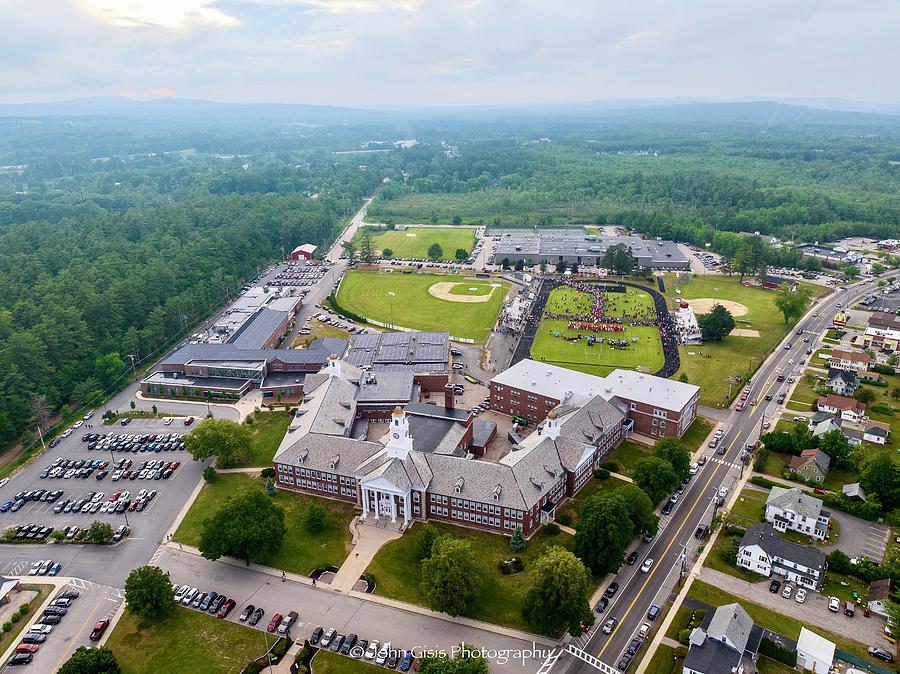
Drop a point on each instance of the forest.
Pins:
(120, 231)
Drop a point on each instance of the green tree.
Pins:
(387, 253)
(640, 509)
(435, 252)
(864, 395)
(517, 541)
(881, 476)
(895, 392)
(894, 360)
(148, 593)
(801, 439)
(717, 324)
(367, 246)
(270, 487)
(91, 661)
(604, 531)
(451, 578)
(314, 518)
(466, 659)
(835, 444)
(558, 597)
(792, 303)
(108, 368)
(561, 267)
(423, 542)
(99, 532)
(520, 265)
(461, 255)
(504, 264)
(457, 220)
(247, 526)
(683, 378)
(228, 441)
(655, 476)
(619, 259)
(348, 248)
(673, 451)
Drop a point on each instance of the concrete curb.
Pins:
(58, 582)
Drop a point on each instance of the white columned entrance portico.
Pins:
(380, 498)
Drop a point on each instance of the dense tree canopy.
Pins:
(655, 476)
(227, 440)
(673, 451)
(717, 324)
(148, 593)
(451, 578)
(247, 526)
(559, 593)
(604, 532)
(91, 661)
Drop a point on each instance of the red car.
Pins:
(98, 630)
(189, 421)
(27, 648)
(226, 609)
(274, 622)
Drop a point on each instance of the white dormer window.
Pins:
(459, 486)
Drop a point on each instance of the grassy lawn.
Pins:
(734, 355)
(318, 330)
(302, 552)
(185, 641)
(750, 506)
(679, 622)
(789, 627)
(715, 561)
(550, 343)
(842, 587)
(326, 662)
(403, 300)
(415, 241)
(696, 433)
(804, 394)
(766, 665)
(591, 487)
(775, 464)
(663, 661)
(882, 395)
(267, 429)
(398, 574)
(627, 454)
(6, 638)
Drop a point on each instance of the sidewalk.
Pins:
(369, 541)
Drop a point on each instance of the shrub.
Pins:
(23, 609)
(772, 650)
(760, 481)
(15, 617)
(552, 529)
(684, 635)
(601, 473)
(7, 626)
(728, 551)
(565, 519)
(314, 518)
(882, 408)
(883, 369)
(268, 472)
(681, 652)
(611, 466)
(210, 474)
(759, 461)
(424, 541)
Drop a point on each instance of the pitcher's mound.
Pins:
(704, 305)
(442, 289)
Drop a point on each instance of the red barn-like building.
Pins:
(304, 252)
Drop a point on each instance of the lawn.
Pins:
(318, 330)
(568, 301)
(842, 587)
(326, 662)
(267, 431)
(627, 454)
(663, 661)
(789, 627)
(715, 561)
(750, 506)
(696, 433)
(709, 366)
(397, 572)
(591, 487)
(403, 300)
(415, 241)
(804, 394)
(6, 638)
(883, 396)
(599, 359)
(632, 302)
(302, 552)
(766, 665)
(184, 641)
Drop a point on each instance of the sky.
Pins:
(396, 53)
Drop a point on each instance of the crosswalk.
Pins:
(107, 590)
(730, 464)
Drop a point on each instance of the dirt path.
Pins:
(441, 290)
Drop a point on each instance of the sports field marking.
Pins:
(704, 305)
(441, 290)
(742, 332)
(410, 235)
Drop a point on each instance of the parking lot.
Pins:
(117, 502)
(90, 603)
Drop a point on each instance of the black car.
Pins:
(653, 613)
(601, 605)
(611, 590)
(246, 613)
(774, 586)
(337, 643)
(56, 610)
(360, 649)
(20, 659)
(392, 659)
(217, 604)
(701, 531)
(315, 636)
(349, 642)
(880, 653)
(50, 620)
(256, 617)
(632, 558)
(210, 598)
(623, 664)
(69, 594)
(633, 646)
(668, 507)
(34, 638)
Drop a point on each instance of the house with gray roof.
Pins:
(727, 641)
(812, 465)
(842, 382)
(795, 510)
(763, 551)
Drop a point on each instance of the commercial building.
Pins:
(303, 252)
(882, 339)
(834, 256)
(763, 551)
(653, 406)
(574, 246)
(426, 466)
(798, 511)
(882, 320)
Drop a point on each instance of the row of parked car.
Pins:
(146, 442)
(643, 632)
(37, 634)
(23, 497)
(220, 606)
(351, 645)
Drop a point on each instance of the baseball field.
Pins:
(414, 242)
(464, 307)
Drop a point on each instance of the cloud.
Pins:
(403, 52)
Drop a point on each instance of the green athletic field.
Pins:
(633, 302)
(367, 294)
(415, 241)
(600, 359)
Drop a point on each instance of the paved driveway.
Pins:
(859, 537)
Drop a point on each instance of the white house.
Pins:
(763, 551)
(795, 510)
(842, 382)
(876, 432)
(728, 641)
(814, 653)
(847, 409)
(849, 360)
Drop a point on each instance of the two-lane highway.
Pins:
(675, 543)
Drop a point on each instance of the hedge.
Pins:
(772, 650)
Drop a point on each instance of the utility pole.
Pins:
(133, 369)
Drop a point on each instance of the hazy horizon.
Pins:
(393, 54)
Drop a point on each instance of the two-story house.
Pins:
(842, 382)
(847, 409)
(850, 360)
(812, 465)
(794, 510)
(725, 643)
(763, 551)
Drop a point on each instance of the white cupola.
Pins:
(551, 426)
(400, 442)
(334, 366)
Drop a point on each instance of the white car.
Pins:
(183, 590)
(168, 421)
(800, 597)
(787, 591)
(647, 565)
(88, 415)
(77, 424)
(694, 468)
(372, 650)
(35, 567)
(383, 653)
(723, 491)
(834, 604)
(40, 629)
(4, 481)
(189, 596)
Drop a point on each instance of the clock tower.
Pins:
(400, 442)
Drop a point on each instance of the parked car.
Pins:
(273, 623)
(337, 643)
(287, 621)
(256, 617)
(880, 653)
(315, 636)
(632, 559)
(787, 591)
(226, 608)
(327, 638)
(653, 613)
(611, 590)
(406, 662)
(217, 604)
(20, 659)
(204, 605)
(774, 586)
(383, 652)
(601, 605)
(98, 630)
(349, 642)
(246, 613)
(372, 650)
(800, 597)
(610, 625)
(834, 604)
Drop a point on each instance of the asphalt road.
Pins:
(638, 590)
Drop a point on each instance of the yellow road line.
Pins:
(719, 466)
(67, 652)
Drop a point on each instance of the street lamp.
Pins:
(392, 294)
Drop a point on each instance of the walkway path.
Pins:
(368, 542)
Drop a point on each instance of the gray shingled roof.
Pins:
(589, 422)
(765, 536)
(795, 500)
(846, 375)
(317, 451)
(480, 478)
(712, 657)
(732, 622)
